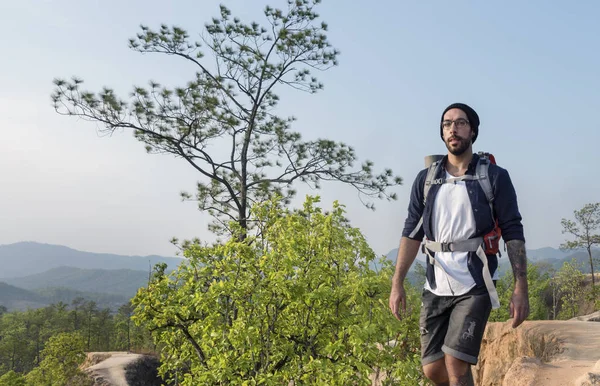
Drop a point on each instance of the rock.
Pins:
(589, 379)
(566, 350)
(595, 317)
(93, 358)
(522, 372)
(108, 368)
(502, 345)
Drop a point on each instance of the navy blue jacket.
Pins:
(505, 207)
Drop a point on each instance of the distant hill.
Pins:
(580, 256)
(67, 295)
(547, 254)
(28, 258)
(19, 299)
(14, 298)
(122, 282)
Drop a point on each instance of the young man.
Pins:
(459, 291)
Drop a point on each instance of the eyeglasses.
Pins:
(460, 123)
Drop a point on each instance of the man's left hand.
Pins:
(519, 307)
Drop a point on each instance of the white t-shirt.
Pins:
(452, 220)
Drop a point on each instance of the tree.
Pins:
(90, 308)
(587, 221)
(77, 313)
(555, 288)
(12, 379)
(538, 283)
(230, 105)
(123, 326)
(25, 335)
(15, 352)
(551, 295)
(297, 303)
(504, 289)
(569, 280)
(62, 355)
(104, 329)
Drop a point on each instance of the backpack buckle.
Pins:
(445, 247)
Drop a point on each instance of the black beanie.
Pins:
(471, 115)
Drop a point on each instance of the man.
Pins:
(459, 291)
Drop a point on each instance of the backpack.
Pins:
(492, 239)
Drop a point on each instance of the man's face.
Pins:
(457, 131)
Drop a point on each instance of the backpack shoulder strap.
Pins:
(432, 171)
(429, 180)
(482, 174)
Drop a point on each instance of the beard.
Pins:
(458, 148)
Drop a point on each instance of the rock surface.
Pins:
(595, 317)
(549, 353)
(108, 369)
(524, 369)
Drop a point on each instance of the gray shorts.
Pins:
(453, 325)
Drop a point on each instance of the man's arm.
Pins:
(509, 219)
(409, 244)
(407, 252)
(519, 303)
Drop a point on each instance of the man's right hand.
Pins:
(398, 300)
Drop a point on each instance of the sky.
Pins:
(530, 70)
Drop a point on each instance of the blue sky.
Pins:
(530, 69)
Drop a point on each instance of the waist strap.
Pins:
(469, 245)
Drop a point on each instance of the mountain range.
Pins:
(28, 258)
(124, 282)
(15, 298)
(35, 275)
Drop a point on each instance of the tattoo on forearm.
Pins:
(463, 380)
(518, 258)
